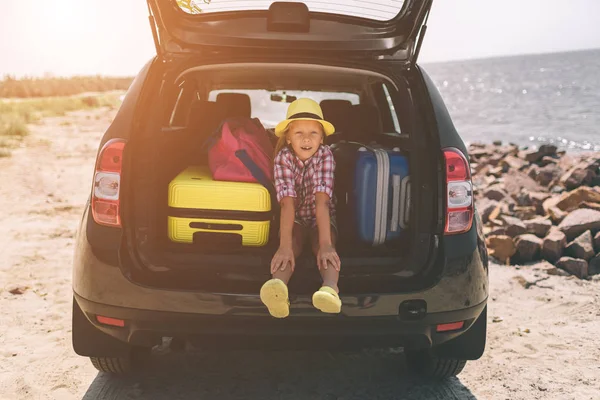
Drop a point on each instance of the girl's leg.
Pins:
(330, 275)
(298, 237)
(274, 292)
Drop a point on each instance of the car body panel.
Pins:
(463, 283)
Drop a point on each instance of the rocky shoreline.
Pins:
(539, 204)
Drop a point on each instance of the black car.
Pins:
(132, 286)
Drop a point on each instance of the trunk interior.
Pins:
(365, 107)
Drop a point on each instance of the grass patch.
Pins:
(16, 114)
(28, 87)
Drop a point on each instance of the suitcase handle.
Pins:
(396, 204)
(405, 203)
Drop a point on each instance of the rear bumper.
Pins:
(147, 328)
(368, 319)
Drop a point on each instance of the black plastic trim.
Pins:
(221, 214)
(146, 327)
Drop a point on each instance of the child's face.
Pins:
(305, 138)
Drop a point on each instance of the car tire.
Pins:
(426, 364)
(113, 365)
(132, 362)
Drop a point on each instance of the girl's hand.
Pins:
(282, 258)
(327, 255)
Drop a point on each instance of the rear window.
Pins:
(272, 112)
(379, 10)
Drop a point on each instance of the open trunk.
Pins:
(365, 106)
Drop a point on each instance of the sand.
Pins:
(544, 345)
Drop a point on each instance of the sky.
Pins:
(112, 37)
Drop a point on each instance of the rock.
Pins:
(571, 200)
(580, 221)
(485, 208)
(577, 176)
(513, 162)
(533, 171)
(548, 149)
(497, 211)
(547, 160)
(591, 206)
(476, 145)
(556, 215)
(553, 246)
(501, 247)
(576, 267)
(524, 213)
(514, 226)
(497, 142)
(538, 226)
(496, 231)
(597, 242)
(528, 248)
(557, 272)
(517, 181)
(537, 200)
(18, 290)
(510, 149)
(557, 189)
(480, 182)
(495, 159)
(530, 155)
(496, 172)
(495, 192)
(480, 152)
(582, 247)
(550, 202)
(522, 198)
(594, 266)
(547, 174)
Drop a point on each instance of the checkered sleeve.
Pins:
(324, 173)
(284, 176)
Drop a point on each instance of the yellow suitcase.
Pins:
(204, 211)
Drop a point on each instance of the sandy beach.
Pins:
(542, 328)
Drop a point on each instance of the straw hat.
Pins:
(304, 109)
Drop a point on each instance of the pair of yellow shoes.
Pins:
(274, 295)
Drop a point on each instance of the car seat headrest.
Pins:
(365, 123)
(235, 104)
(205, 115)
(338, 113)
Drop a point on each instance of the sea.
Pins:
(528, 100)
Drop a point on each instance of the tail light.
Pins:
(107, 184)
(454, 326)
(459, 192)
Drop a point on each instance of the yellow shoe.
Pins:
(327, 300)
(274, 295)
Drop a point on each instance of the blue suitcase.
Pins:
(381, 194)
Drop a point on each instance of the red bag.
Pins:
(240, 134)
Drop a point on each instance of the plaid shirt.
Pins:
(302, 180)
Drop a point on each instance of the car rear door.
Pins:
(356, 28)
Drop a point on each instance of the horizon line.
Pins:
(50, 75)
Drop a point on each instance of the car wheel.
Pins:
(122, 365)
(425, 363)
(113, 365)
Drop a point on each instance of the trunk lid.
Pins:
(391, 28)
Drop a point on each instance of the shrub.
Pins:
(13, 125)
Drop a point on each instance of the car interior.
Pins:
(381, 116)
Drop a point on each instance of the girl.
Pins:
(304, 169)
